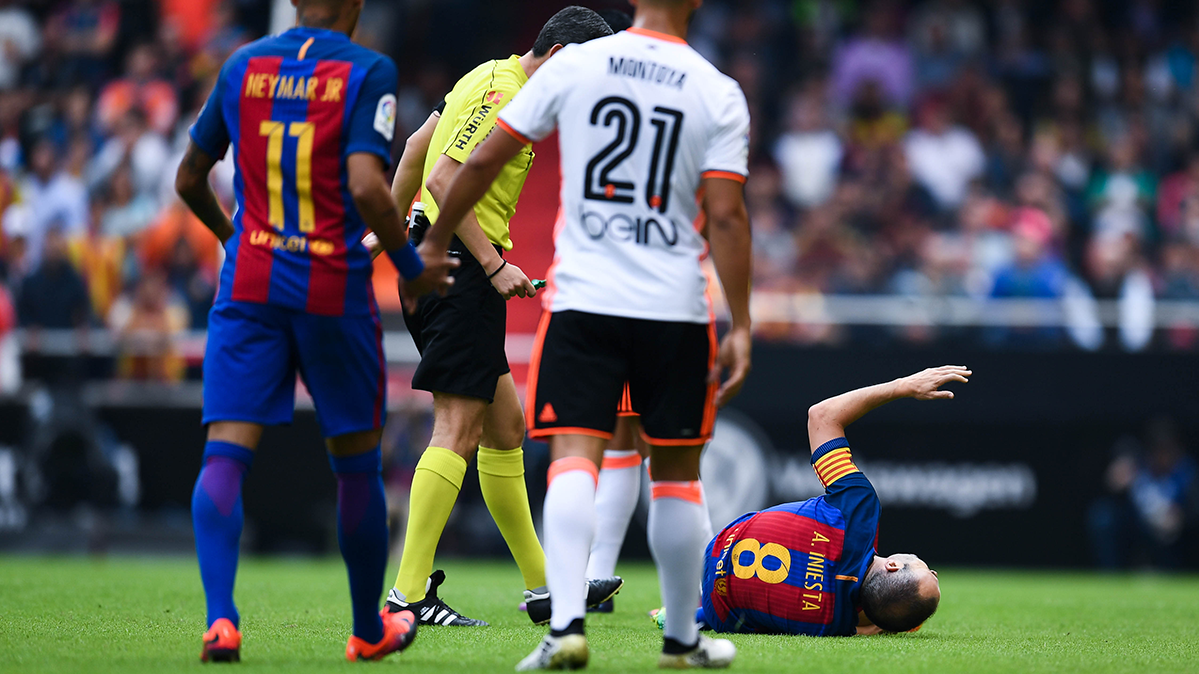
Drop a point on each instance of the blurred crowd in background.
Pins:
(941, 148)
(915, 149)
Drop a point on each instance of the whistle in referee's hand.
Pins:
(538, 283)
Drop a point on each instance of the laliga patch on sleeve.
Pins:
(385, 117)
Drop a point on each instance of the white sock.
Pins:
(569, 522)
(615, 500)
(676, 539)
(709, 534)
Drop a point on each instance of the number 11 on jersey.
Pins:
(305, 133)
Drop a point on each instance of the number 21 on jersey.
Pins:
(622, 115)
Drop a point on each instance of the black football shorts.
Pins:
(581, 363)
(461, 336)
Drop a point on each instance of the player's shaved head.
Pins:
(900, 594)
(571, 25)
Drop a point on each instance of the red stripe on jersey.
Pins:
(796, 532)
(789, 602)
(812, 546)
(327, 272)
(255, 255)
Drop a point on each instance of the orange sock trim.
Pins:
(621, 460)
(686, 491)
(569, 463)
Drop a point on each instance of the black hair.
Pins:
(571, 25)
(892, 600)
(617, 20)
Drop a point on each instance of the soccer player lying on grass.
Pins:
(809, 567)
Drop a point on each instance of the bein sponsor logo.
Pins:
(961, 489)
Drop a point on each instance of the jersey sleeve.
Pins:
(533, 115)
(209, 131)
(480, 109)
(727, 155)
(848, 490)
(373, 119)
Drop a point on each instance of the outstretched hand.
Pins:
(926, 385)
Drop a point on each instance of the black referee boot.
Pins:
(599, 590)
(431, 610)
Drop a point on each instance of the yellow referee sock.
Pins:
(435, 487)
(502, 480)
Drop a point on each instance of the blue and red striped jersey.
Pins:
(295, 107)
(797, 568)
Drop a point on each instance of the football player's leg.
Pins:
(341, 361)
(461, 340)
(502, 481)
(671, 391)
(569, 521)
(676, 537)
(457, 426)
(248, 382)
(361, 525)
(615, 497)
(576, 376)
(217, 515)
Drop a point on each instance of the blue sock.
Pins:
(362, 536)
(217, 518)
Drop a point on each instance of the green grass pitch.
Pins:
(132, 615)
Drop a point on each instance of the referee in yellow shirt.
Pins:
(461, 335)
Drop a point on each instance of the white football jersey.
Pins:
(641, 119)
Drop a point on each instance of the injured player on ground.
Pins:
(812, 567)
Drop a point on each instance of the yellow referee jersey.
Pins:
(470, 113)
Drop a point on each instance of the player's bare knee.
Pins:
(511, 435)
(240, 433)
(675, 464)
(462, 441)
(458, 423)
(353, 444)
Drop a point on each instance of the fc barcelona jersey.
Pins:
(797, 568)
(295, 107)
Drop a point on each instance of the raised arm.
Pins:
(191, 182)
(827, 419)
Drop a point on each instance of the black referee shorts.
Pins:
(461, 336)
(582, 361)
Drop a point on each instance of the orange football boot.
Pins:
(222, 642)
(399, 629)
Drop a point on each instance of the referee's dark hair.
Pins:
(893, 601)
(571, 25)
